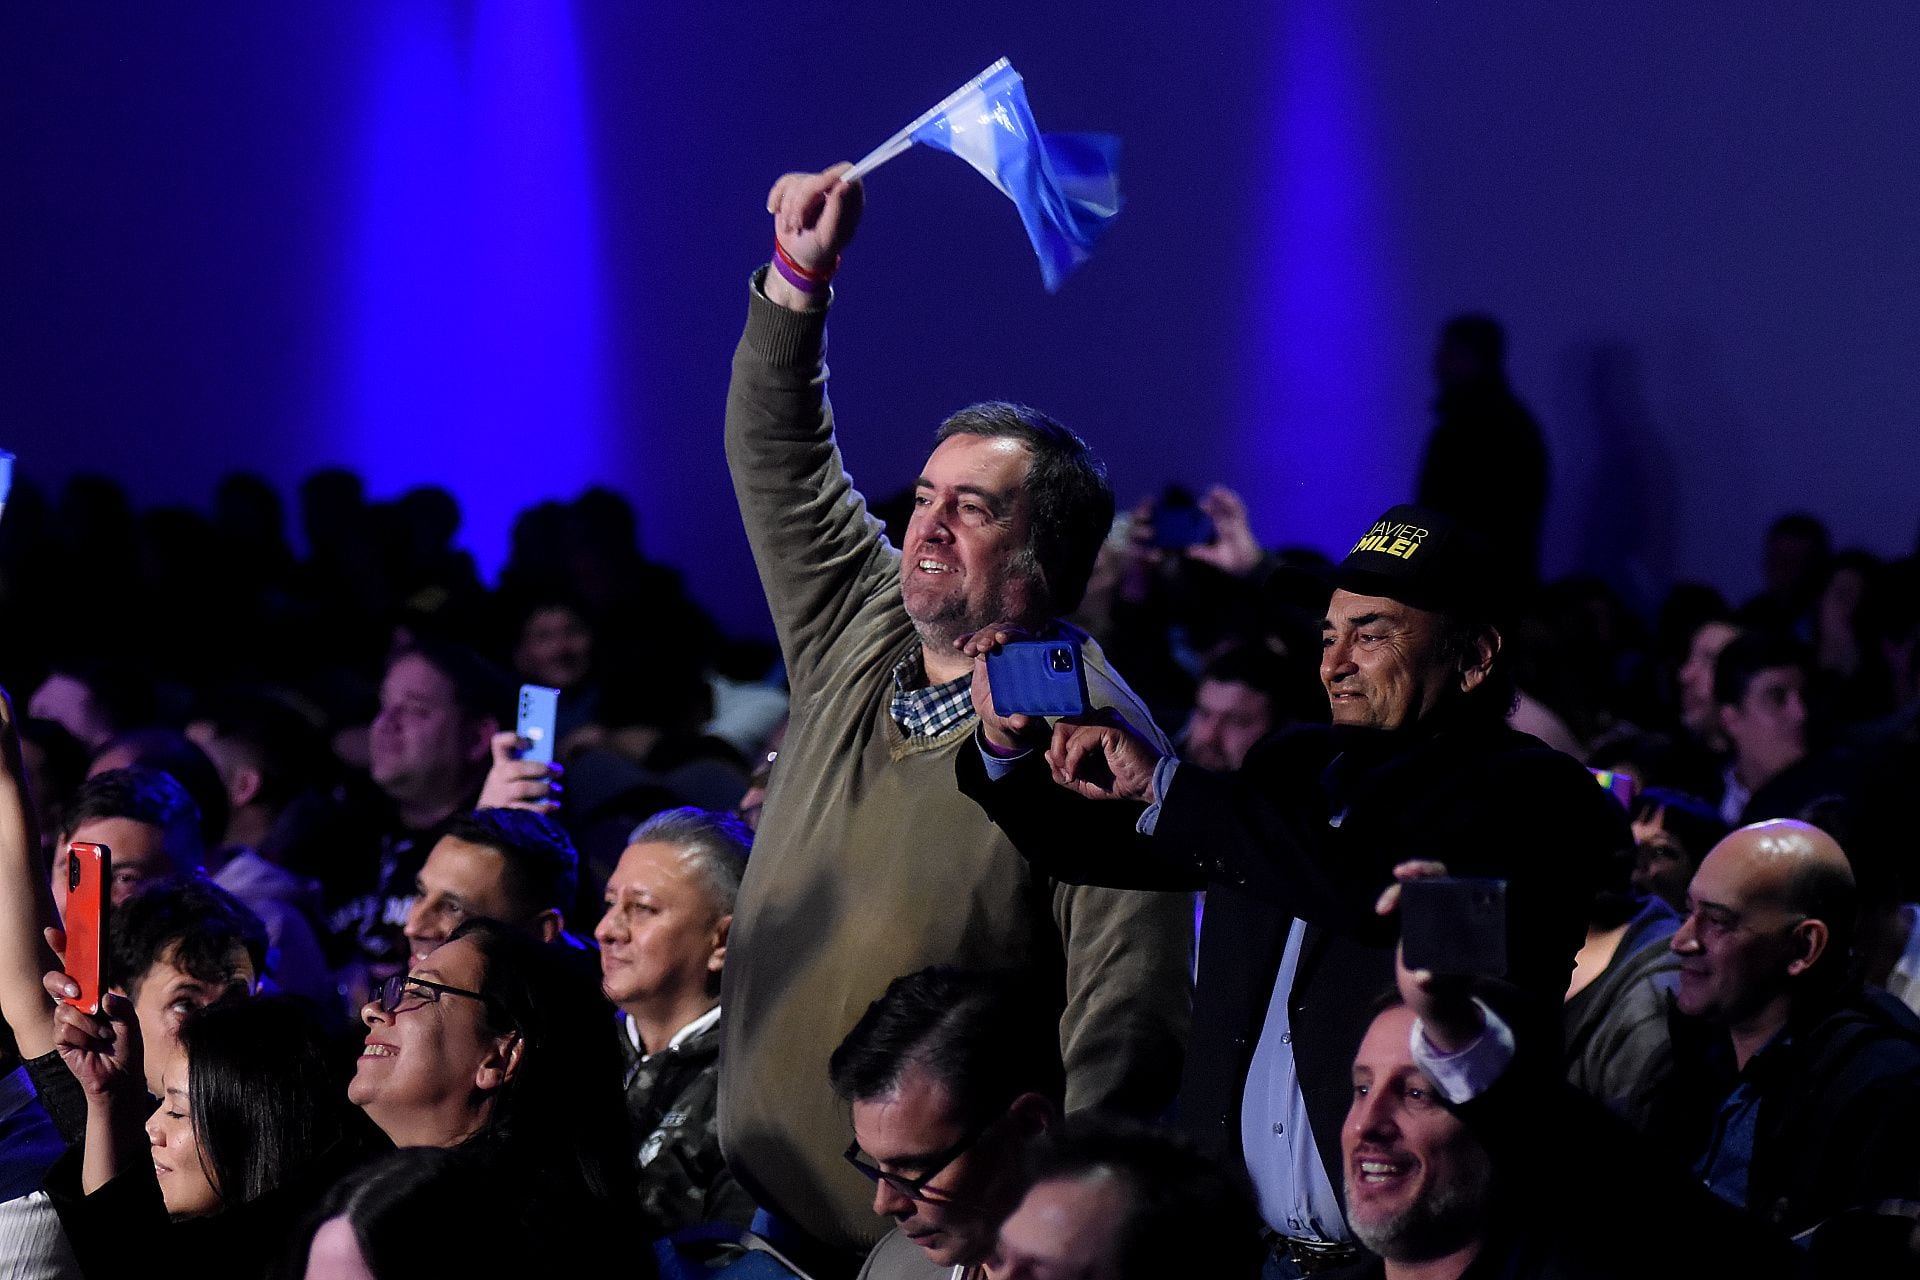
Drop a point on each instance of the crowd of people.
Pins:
(810, 959)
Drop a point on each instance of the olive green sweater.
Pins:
(869, 863)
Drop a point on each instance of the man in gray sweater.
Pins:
(869, 863)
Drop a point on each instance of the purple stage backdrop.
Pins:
(502, 245)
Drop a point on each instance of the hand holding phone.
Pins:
(1454, 926)
(89, 897)
(539, 713)
(1038, 678)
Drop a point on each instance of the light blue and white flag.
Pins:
(1065, 185)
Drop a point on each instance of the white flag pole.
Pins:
(902, 140)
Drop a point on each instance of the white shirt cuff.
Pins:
(1466, 1074)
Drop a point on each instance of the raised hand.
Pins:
(1007, 735)
(1234, 549)
(814, 217)
(513, 783)
(1443, 1004)
(104, 1053)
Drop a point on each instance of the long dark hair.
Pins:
(560, 1120)
(412, 1212)
(265, 1103)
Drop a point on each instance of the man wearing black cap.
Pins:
(1295, 847)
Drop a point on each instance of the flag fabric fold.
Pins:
(1065, 185)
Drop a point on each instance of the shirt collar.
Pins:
(925, 710)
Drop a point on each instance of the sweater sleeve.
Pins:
(61, 1095)
(822, 558)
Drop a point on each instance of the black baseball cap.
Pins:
(1411, 554)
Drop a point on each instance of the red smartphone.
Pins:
(89, 893)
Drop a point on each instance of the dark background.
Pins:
(503, 247)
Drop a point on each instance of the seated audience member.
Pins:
(552, 645)
(663, 944)
(1759, 684)
(1441, 1152)
(1796, 1092)
(440, 706)
(1672, 832)
(145, 817)
(267, 758)
(56, 765)
(249, 1132)
(175, 947)
(1797, 553)
(1699, 712)
(1246, 693)
(1615, 1019)
(508, 865)
(496, 1045)
(1112, 1200)
(951, 1076)
(177, 756)
(380, 1223)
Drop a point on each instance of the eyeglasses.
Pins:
(390, 993)
(915, 1189)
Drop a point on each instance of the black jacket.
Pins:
(1839, 1123)
(1482, 798)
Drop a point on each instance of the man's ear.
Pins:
(549, 924)
(1479, 660)
(480, 739)
(501, 1064)
(1034, 1113)
(1810, 938)
(243, 788)
(717, 959)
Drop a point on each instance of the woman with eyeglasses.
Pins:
(493, 1044)
(249, 1134)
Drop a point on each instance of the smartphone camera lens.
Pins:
(1060, 660)
(73, 871)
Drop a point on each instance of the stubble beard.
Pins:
(1446, 1219)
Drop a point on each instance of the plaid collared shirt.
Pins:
(925, 710)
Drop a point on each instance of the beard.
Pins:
(1445, 1219)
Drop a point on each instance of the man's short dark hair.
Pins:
(1749, 654)
(541, 870)
(1187, 1214)
(191, 915)
(982, 1035)
(1068, 494)
(279, 742)
(142, 795)
(716, 844)
(480, 689)
(174, 754)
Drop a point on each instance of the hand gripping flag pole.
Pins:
(1065, 185)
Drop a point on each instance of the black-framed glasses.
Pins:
(915, 1189)
(388, 995)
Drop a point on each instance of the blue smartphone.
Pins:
(1038, 678)
(539, 711)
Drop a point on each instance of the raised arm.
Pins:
(26, 902)
(821, 556)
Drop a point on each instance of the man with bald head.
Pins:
(1797, 1091)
